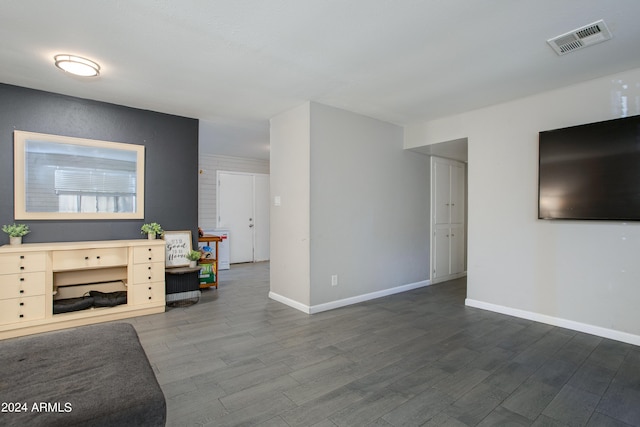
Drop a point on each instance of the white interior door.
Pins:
(243, 209)
(235, 213)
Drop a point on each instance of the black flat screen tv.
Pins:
(591, 171)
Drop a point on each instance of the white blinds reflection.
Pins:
(91, 203)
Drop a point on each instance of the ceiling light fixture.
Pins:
(77, 65)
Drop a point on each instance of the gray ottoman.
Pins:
(96, 375)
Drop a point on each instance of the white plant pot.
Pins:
(15, 240)
(193, 264)
(151, 236)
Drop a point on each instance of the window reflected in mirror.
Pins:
(65, 178)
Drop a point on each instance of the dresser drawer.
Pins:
(22, 262)
(22, 285)
(22, 309)
(149, 272)
(147, 293)
(89, 258)
(148, 254)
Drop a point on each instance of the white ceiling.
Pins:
(234, 64)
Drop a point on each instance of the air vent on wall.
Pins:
(579, 38)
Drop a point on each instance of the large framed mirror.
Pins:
(61, 177)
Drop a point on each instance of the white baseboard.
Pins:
(346, 301)
(291, 303)
(449, 277)
(556, 321)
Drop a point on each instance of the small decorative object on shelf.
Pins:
(193, 257)
(15, 232)
(152, 230)
(209, 261)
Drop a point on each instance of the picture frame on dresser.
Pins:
(178, 244)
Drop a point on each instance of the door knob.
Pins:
(250, 225)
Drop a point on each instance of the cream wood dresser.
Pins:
(32, 275)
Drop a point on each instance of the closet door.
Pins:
(447, 219)
(440, 258)
(456, 200)
(456, 250)
(441, 192)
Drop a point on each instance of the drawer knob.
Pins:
(149, 287)
(149, 258)
(149, 297)
(21, 316)
(21, 268)
(86, 258)
(98, 257)
(21, 256)
(21, 304)
(149, 249)
(149, 277)
(149, 267)
(22, 291)
(22, 279)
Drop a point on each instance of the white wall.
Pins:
(354, 204)
(578, 274)
(369, 207)
(208, 166)
(290, 222)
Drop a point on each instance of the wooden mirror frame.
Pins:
(21, 140)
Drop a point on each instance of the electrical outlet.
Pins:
(334, 280)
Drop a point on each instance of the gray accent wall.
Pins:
(171, 164)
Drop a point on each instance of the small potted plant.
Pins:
(15, 232)
(152, 230)
(193, 257)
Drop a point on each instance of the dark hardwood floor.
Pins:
(416, 358)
